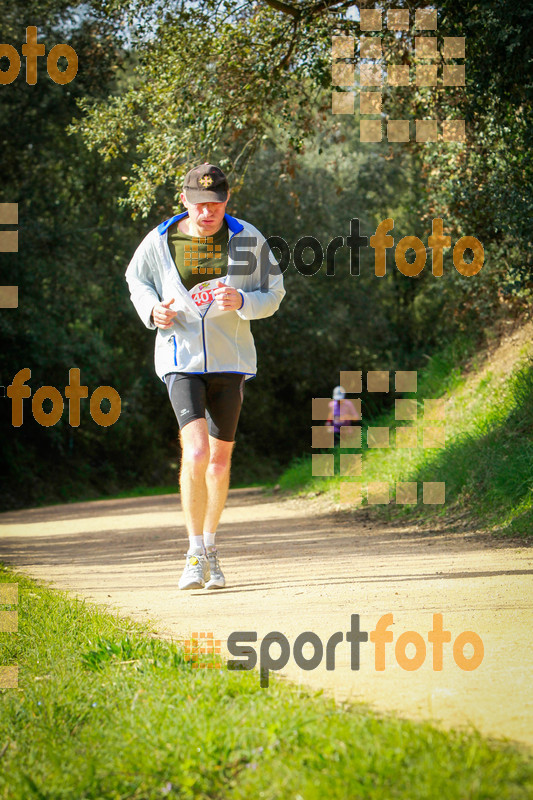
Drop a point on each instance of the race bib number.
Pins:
(202, 293)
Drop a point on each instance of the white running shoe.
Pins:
(217, 580)
(196, 572)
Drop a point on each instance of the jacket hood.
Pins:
(233, 224)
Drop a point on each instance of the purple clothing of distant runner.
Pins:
(342, 412)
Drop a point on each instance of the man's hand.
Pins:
(227, 298)
(162, 315)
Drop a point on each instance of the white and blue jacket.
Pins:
(207, 340)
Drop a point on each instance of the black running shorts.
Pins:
(215, 396)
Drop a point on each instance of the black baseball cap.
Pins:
(206, 184)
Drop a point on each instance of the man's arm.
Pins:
(264, 300)
(143, 293)
(259, 304)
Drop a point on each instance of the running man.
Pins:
(199, 278)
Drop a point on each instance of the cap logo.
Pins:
(206, 181)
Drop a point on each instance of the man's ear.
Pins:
(183, 199)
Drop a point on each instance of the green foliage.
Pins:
(484, 187)
(488, 468)
(163, 85)
(105, 710)
(74, 248)
(210, 101)
(142, 652)
(487, 463)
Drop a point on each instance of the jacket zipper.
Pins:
(203, 343)
(203, 317)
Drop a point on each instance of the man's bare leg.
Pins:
(194, 461)
(204, 483)
(217, 481)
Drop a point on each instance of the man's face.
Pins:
(205, 219)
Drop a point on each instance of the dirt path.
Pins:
(292, 567)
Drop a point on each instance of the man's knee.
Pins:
(195, 455)
(198, 454)
(218, 469)
(220, 461)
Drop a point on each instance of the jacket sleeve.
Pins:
(264, 300)
(140, 279)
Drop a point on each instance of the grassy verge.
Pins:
(105, 710)
(140, 491)
(486, 464)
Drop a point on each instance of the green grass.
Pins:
(141, 491)
(486, 465)
(105, 710)
(138, 491)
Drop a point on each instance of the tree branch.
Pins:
(323, 5)
(285, 8)
(295, 12)
(284, 63)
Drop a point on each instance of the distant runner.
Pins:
(341, 412)
(199, 278)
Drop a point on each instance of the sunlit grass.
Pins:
(487, 461)
(105, 710)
